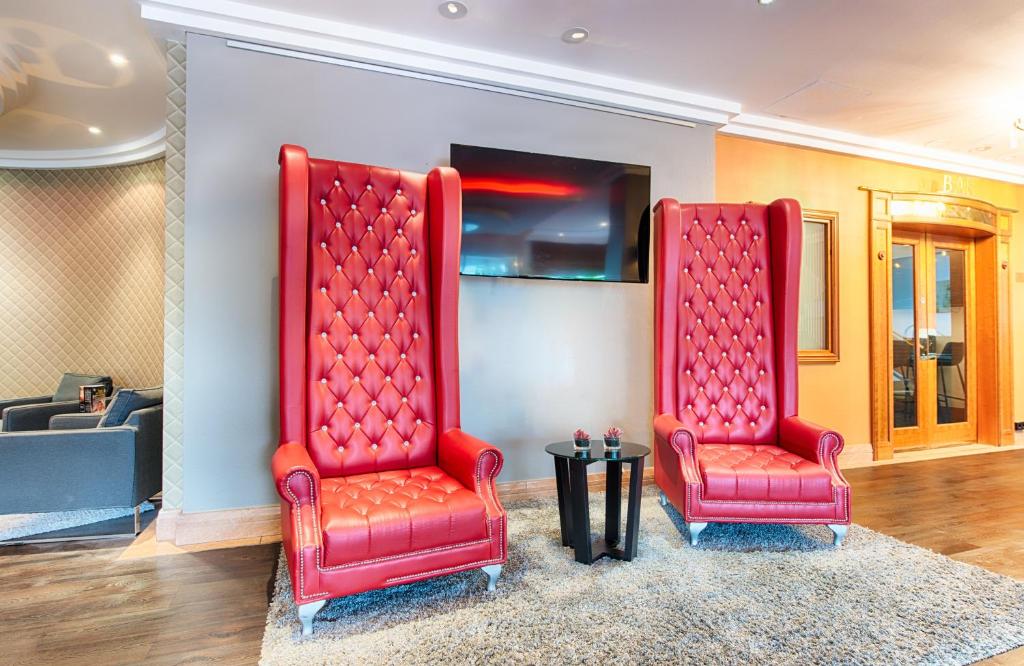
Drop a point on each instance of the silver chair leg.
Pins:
(695, 529)
(662, 500)
(138, 519)
(840, 533)
(306, 613)
(492, 571)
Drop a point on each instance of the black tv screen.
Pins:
(542, 216)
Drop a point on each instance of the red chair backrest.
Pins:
(356, 268)
(726, 317)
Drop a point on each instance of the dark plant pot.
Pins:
(582, 443)
(612, 443)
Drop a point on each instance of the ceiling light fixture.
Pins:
(118, 60)
(765, 2)
(575, 35)
(95, 130)
(452, 10)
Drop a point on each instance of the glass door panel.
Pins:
(932, 329)
(904, 337)
(950, 335)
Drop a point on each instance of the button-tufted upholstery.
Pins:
(726, 361)
(379, 486)
(389, 513)
(728, 444)
(761, 471)
(370, 363)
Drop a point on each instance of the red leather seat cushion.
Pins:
(757, 472)
(368, 516)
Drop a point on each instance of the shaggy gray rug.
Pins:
(747, 595)
(19, 525)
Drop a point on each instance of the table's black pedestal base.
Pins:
(574, 509)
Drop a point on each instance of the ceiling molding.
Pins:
(301, 34)
(226, 18)
(141, 150)
(785, 131)
(342, 62)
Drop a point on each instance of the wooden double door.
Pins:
(933, 340)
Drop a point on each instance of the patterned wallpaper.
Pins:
(174, 279)
(81, 276)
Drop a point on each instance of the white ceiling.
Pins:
(941, 73)
(57, 80)
(937, 74)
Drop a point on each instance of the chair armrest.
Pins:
(811, 441)
(36, 416)
(472, 462)
(148, 424)
(75, 421)
(668, 428)
(673, 440)
(61, 470)
(18, 402)
(296, 477)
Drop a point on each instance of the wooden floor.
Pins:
(78, 603)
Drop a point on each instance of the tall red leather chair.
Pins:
(378, 484)
(729, 446)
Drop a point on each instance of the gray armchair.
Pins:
(34, 413)
(86, 461)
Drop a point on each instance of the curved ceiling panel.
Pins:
(81, 84)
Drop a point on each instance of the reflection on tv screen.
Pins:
(543, 216)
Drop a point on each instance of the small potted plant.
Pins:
(612, 438)
(581, 439)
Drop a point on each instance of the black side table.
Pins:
(574, 500)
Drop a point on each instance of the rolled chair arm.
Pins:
(675, 450)
(668, 428)
(810, 441)
(75, 421)
(295, 475)
(472, 462)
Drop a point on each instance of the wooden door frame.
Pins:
(990, 227)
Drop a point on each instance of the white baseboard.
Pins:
(186, 529)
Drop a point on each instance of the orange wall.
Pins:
(838, 394)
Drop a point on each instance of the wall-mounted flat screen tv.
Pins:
(562, 218)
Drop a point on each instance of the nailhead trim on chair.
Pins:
(465, 544)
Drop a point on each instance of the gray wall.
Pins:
(537, 358)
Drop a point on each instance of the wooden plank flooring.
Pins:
(77, 603)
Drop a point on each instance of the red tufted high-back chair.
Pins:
(379, 486)
(729, 446)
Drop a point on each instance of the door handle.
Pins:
(928, 345)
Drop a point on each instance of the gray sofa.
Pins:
(86, 461)
(34, 413)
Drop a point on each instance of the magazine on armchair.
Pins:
(91, 398)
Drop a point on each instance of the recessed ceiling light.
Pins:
(452, 10)
(765, 2)
(575, 35)
(118, 60)
(95, 130)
